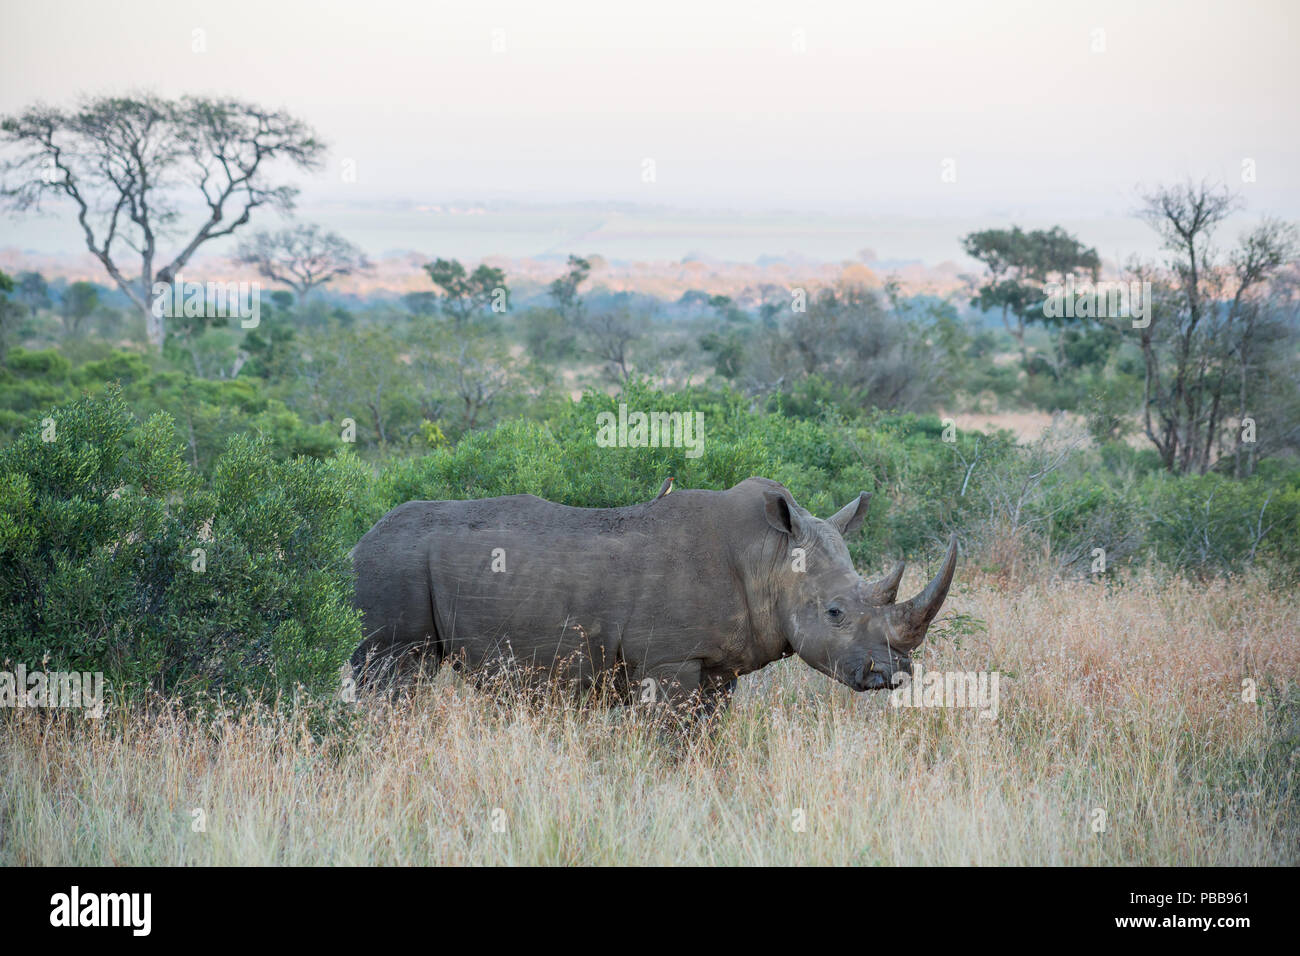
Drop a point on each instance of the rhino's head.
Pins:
(846, 627)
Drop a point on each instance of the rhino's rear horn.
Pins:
(913, 617)
(884, 590)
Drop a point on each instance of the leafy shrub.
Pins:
(205, 412)
(1212, 524)
(115, 557)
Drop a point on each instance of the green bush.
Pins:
(206, 412)
(1213, 524)
(115, 557)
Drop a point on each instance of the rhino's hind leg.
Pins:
(392, 665)
(403, 643)
(397, 615)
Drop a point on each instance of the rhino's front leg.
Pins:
(715, 695)
(676, 684)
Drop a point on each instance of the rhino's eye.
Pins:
(835, 614)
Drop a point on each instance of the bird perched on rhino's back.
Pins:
(666, 487)
(686, 591)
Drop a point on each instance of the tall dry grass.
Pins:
(1126, 700)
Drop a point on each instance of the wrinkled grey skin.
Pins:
(690, 590)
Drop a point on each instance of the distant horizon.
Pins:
(629, 232)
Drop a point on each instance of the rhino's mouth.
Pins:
(871, 676)
(874, 680)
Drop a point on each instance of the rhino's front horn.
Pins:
(882, 591)
(912, 618)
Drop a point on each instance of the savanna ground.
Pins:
(1124, 698)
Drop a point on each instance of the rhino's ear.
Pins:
(783, 514)
(849, 518)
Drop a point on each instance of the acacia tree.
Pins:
(478, 374)
(1266, 304)
(1019, 265)
(868, 347)
(1004, 254)
(1055, 255)
(1204, 338)
(1268, 368)
(465, 293)
(303, 257)
(357, 374)
(609, 336)
(80, 300)
(33, 290)
(10, 312)
(128, 164)
(564, 290)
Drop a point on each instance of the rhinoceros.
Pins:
(678, 596)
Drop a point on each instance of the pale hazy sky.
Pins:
(720, 96)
